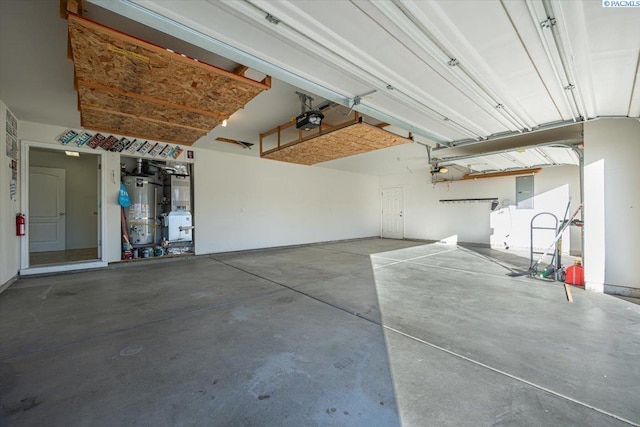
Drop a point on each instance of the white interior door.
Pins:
(46, 209)
(392, 213)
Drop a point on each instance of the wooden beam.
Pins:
(349, 140)
(139, 136)
(499, 174)
(241, 69)
(152, 100)
(69, 49)
(278, 128)
(310, 137)
(70, 6)
(62, 9)
(132, 116)
(567, 292)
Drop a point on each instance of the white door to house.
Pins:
(46, 209)
(392, 213)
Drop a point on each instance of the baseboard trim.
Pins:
(624, 291)
(9, 282)
(63, 268)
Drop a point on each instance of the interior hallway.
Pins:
(355, 333)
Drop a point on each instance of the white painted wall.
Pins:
(612, 205)
(9, 243)
(81, 190)
(243, 202)
(426, 218)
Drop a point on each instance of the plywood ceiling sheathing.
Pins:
(131, 87)
(354, 138)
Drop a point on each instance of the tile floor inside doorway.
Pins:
(358, 333)
(62, 257)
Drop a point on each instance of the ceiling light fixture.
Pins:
(439, 169)
(72, 153)
(224, 123)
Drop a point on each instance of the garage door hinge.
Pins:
(548, 23)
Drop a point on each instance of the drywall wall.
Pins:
(245, 202)
(427, 218)
(9, 242)
(81, 188)
(612, 205)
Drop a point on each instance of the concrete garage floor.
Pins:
(359, 333)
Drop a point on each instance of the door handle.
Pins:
(61, 213)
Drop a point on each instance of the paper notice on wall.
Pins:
(9, 148)
(175, 152)
(11, 139)
(12, 189)
(14, 170)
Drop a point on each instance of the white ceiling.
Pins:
(451, 72)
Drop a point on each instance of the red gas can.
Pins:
(574, 275)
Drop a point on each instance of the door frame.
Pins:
(25, 269)
(390, 187)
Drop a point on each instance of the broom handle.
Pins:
(562, 229)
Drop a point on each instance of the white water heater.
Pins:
(141, 214)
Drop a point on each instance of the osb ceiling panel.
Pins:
(109, 121)
(354, 139)
(141, 83)
(93, 97)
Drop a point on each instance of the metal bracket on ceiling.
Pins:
(358, 99)
(306, 101)
(453, 62)
(548, 23)
(272, 19)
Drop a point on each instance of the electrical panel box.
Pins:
(524, 192)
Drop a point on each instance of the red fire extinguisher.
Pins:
(20, 224)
